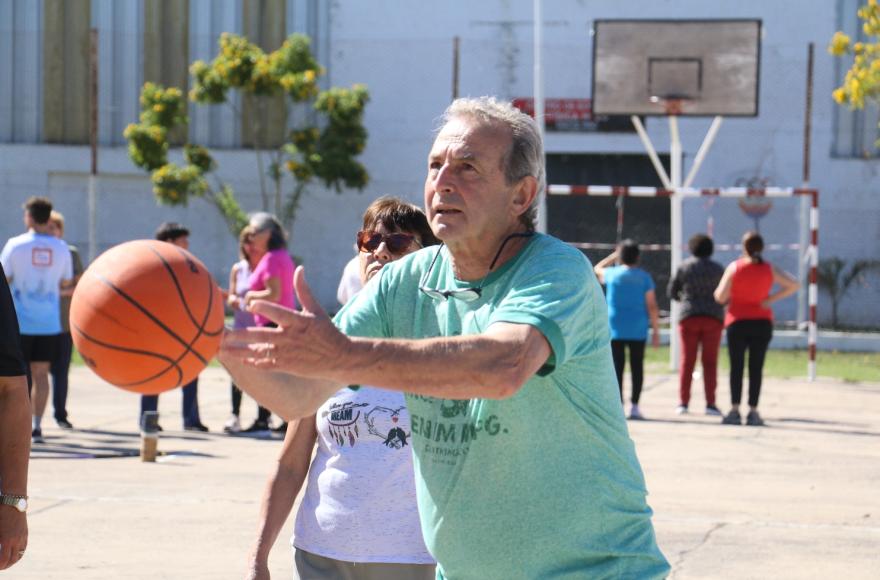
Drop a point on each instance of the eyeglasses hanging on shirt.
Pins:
(465, 294)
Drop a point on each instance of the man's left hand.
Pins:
(305, 343)
(13, 536)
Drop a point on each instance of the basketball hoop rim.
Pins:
(672, 106)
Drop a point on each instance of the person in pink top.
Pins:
(746, 287)
(271, 279)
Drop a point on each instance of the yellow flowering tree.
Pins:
(862, 81)
(327, 151)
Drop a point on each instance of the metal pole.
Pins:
(675, 210)
(808, 123)
(704, 149)
(808, 116)
(93, 141)
(674, 152)
(813, 329)
(652, 154)
(455, 52)
(538, 81)
(538, 68)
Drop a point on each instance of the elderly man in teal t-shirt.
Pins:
(500, 339)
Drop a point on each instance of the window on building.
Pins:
(264, 118)
(65, 71)
(20, 85)
(855, 132)
(44, 66)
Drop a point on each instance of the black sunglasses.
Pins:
(368, 241)
(465, 294)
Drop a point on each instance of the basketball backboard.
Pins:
(682, 67)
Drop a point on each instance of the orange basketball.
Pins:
(147, 316)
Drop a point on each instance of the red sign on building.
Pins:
(572, 115)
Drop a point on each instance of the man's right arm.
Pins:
(289, 396)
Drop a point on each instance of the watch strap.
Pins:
(11, 499)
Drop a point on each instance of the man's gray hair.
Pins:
(526, 154)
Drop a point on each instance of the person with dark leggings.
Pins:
(270, 280)
(239, 284)
(631, 304)
(177, 235)
(59, 369)
(746, 288)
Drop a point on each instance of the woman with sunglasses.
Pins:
(358, 518)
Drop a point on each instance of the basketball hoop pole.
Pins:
(675, 210)
(652, 153)
(708, 141)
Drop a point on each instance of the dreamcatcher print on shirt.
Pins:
(342, 422)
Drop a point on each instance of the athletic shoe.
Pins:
(37, 436)
(257, 427)
(713, 411)
(635, 414)
(754, 419)
(732, 418)
(281, 428)
(232, 425)
(681, 410)
(197, 427)
(64, 424)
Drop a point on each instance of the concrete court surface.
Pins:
(795, 499)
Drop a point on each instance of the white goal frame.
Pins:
(677, 196)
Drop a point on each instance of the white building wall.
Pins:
(403, 52)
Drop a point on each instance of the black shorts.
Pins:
(40, 347)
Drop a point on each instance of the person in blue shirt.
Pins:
(629, 291)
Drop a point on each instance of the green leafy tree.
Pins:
(836, 280)
(325, 151)
(862, 81)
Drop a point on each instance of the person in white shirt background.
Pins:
(38, 265)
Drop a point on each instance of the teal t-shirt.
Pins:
(545, 483)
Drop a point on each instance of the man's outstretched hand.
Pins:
(305, 343)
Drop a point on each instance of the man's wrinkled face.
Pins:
(467, 198)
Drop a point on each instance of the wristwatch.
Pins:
(19, 502)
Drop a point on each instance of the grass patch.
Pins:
(782, 364)
(845, 366)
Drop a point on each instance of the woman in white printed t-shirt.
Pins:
(358, 518)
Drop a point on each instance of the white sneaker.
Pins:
(232, 425)
(635, 414)
(681, 410)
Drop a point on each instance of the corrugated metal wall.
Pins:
(44, 51)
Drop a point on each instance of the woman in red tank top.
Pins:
(746, 288)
